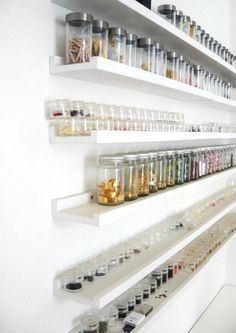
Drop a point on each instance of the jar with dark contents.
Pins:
(194, 164)
(130, 298)
(161, 168)
(168, 12)
(153, 284)
(100, 39)
(179, 162)
(73, 280)
(158, 277)
(164, 275)
(146, 290)
(170, 168)
(143, 175)
(170, 271)
(187, 166)
(89, 323)
(89, 272)
(138, 293)
(153, 173)
(131, 177)
(122, 307)
(101, 267)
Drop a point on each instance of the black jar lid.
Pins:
(99, 25)
(197, 67)
(142, 42)
(117, 31)
(131, 38)
(203, 32)
(77, 18)
(172, 54)
(179, 13)
(186, 18)
(166, 9)
(207, 35)
(193, 23)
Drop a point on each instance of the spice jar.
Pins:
(100, 38)
(117, 41)
(89, 323)
(78, 37)
(211, 44)
(203, 37)
(153, 172)
(138, 293)
(207, 41)
(164, 275)
(146, 290)
(158, 277)
(172, 71)
(193, 27)
(194, 164)
(198, 76)
(179, 19)
(160, 59)
(130, 298)
(143, 175)
(146, 54)
(73, 280)
(170, 168)
(182, 69)
(168, 12)
(110, 180)
(122, 307)
(161, 168)
(89, 272)
(186, 24)
(131, 177)
(130, 49)
(198, 33)
(111, 313)
(179, 162)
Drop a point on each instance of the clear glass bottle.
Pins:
(160, 59)
(179, 162)
(161, 168)
(170, 168)
(146, 54)
(89, 323)
(172, 71)
(186, 24)
(153, 173)
(193, 28)
(110, 188)
(78, 37)
(168, 12)
(179, 19)
(130, 49)
(131, 177)
(143, 175)
(100, 38)
(117, 42)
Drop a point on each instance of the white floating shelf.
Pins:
(106, 137)
(83, 209)
(106, 71)
(138, 19)
(106, 289)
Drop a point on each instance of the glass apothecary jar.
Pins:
(194, 164)
(168, 12)
(179, 19)
(187, 166)
(203, 37)
(172, 71)
(153, 173)
(161, 168)
(198, 33)
(179, 162)
(182, 69)
(146, 54)
(170, 168)
(110, 186)
(73, 280)
(186, 24)
(193, 28)
(89, 323)
(130, 49)
(131, 177)
(198, 80)
(143, 175)
(100, 39)
(122, 307)
(160, 59)
(117, 42)
(78, 37)
(207, 41)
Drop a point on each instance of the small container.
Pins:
(207, 41)
(131, 177)
(122, 307)
(158, 277)
(146, 290)
(198, 76)
(172, 71)
(130, 298)
(160, 59)
(161, 168)
(153, 173)
(117, 43)
(138, 293)
(89, 323)
(101, 268)
(203, 37)
(89, 272)
(113, 260)
(198, 33)
(73, 280)
(153, 284)
(168, 12)
(179, 162)
(164, 275)
(146, 54)
(110, 180)
(179, 19)
(211, 44)
(143, 175)
(130, 49)
(100, 38)
(170, 168)
(187, 166)
(111, 313)
(193, 28)
(170, 271)
(186, 24)
(182, 69)
(78, 37)
(194, 164)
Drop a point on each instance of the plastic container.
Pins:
(117, 43)
(131, 177)
(130, 49)
(100, 39)
(146, 54)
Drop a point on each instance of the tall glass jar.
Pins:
(117, 41)
(160, 59)
(110, 188)
(168, 12)
(172, 71)
(78, 37)
(204, 162)
(211, 44)
(198, 76)
(130, 49)
(207, 41)
(179, 162)
(161, 168)
(194, 164)
(198, 33)
(186, 24)
(182, 69)
(187, 165)
(179, 19)
(131, 177)
(203, 37)
(153, 173)
(193, 28)
(143, 175)
(100, 39)
(170, 168)
(146, 54)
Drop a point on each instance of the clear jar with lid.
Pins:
(187, 165)
(194, 164)
(160, 59)
(168, 12)
(179, 162)
(220, 47)
(186, 24)
(198, 33)
(146, 54)
(100, 38)
(204, 162)
(172, 70)
(192, 75)
(111, 312)
(122, 307)
(187, 73)
(215, 47)
(170, 168)
(78, 37)
(200, 158)
(110, 188)
(193, 28)
(117, 42)
(153, 172)
(143, 175)
(203, 37)
(211, 44)
(131, 177)
(161, 168)
(207, 41)
(73, 280)
(89, 323)
(179, 19)
(198, 77)
(182, 69)
(130, 49)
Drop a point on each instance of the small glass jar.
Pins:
(193, 28)
(111, 312)
(117, 42)
(73, 280)
(158, 277)
(100, 39)
(130, 298)
(131, 177)
(207, 41)
(179, 19)
(172, 71)
(203, 37)
(170, 168)
(187, 166)
(101, 267)
(130, 49)
(89, 272)
(113, 260)
(153, 173)
(198, 33)
(153, 284)
(89, 323)
(168, 12)
(187, 73)
(110, 188)
(164, 275)
(211, 44)
(182, 69)
(146, 54)
(198, 76)
(161, 168)
(160, 59)
(122, 307)
(138, 293)
(186, 24)
(194, 164)
(170, 271)
(78, 37)
(179, 162)
(143, 175)
(146, 290)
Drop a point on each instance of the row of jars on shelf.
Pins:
(192, 29)
(87, 37)
(127, 177)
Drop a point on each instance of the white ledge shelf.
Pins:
(127, 13)
(106, 289)
(106, 137)
(83, 209)
(106, 71)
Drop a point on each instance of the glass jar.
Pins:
(161, 168)
(89, 270)
(146, 290)
(187, 73)
(111, 313)
(160, 59)
(131, 177)
(117, 42)
(215, 47)
(198, 33)
(211, 44)
(78, 37)
(187, 166)
(89, 323)
(186, 24)
(73, 280)
(194, 164)
(193, 28)
(204, 163)
(179, 162)
(170, 168)
(146, 54)
(203, 37)
(110, 180)
(168, 12)
(100, 39)
(172, 71)
(130, 49)
(143, 175)
(101, 266)
(207, 41)
(192, 76)
(122, 307)
(130, 298)
(182, 69)
(198, 76)
(164, 275)
(153, 173)
(179, 19)
(138, 293)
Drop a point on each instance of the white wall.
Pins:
(33, 247)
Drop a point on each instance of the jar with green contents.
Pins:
(179, 162)
(143, 175)
(187, 166)
(170, 168)
(153, 186)
(131, 177)
(161, 169)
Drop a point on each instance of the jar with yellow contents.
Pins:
(143, 175)
(161, 168)
(131, 177)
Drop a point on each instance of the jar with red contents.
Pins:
(194, 164)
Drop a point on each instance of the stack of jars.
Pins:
(191, 28)
(127, 177)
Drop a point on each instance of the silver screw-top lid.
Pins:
(131, 38)
(142, 42)
(179, 13)
(172, 54)
(166, 9)
(159, 46)
(76, 18)
(186, 18)
(117, 31)
(100, 24)
(130, 157)
(193, 23)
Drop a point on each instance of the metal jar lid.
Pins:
(203, 32)
(143, 156)
(159, 46)
(186, 18)
(172, 54)
(179, 13)
(130, 157)
(197, 67)
(99, 25)
(199, 27)
(193, 23)
(207, 35)
(76, 18)
(182, 58)
(117, 31)
(166, 9)
(131, 38)
(112, 158)
(142, 42)
(161, 153)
